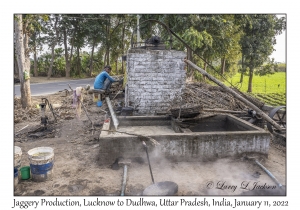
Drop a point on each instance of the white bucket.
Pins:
(41, 163)
(17, 158)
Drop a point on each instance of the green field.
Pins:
(270, 89)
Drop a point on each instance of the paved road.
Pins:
(53, 87)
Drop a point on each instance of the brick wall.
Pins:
(154, 77)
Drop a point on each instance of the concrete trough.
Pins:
(194, 140)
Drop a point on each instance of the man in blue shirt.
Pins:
(103, 80)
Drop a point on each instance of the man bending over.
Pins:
(103, 80)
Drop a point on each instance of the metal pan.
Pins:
(162, 189)
(159, 188)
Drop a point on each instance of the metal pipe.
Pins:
(124, 180)
(269, 173)
(145, 145)
(22, 128)
(113, 115)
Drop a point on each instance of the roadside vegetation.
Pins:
(80, 45)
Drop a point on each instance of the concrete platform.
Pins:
(192, 140)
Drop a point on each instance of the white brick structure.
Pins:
(154, 77)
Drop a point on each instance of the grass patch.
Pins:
(275, 83)
(270, 89)
(274, 99)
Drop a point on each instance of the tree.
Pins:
(224, 47)
(31, 25)
(53, 44)
(94, 31)
(35, 69)
(196, 40)
(68, 32)
(24, 70)
(218, 40)
(119, 38)
(211, 37)
(78, 23)
(34, 29)
(258, 40)
(268, 68)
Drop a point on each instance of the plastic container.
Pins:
(96, 97)
(25, 172)
(16, 177)
(17, 159)
(99, 103)
(41, 163)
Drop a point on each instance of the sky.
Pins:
(280, 54)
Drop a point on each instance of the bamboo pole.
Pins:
(258, 111)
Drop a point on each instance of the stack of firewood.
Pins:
(198, 96)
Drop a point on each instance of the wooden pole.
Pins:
(224, 111)
(258, 111)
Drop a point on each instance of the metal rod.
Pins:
(269, 173)
(148, 161)
(124, 180)
(50, 106)
(113, 115)
(87, 116)
(22, 128)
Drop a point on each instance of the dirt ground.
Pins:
(77, 171)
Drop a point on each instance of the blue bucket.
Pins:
(99, 103)
(16, 177)
(17, 158)
(41, 163)
(16, 174)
